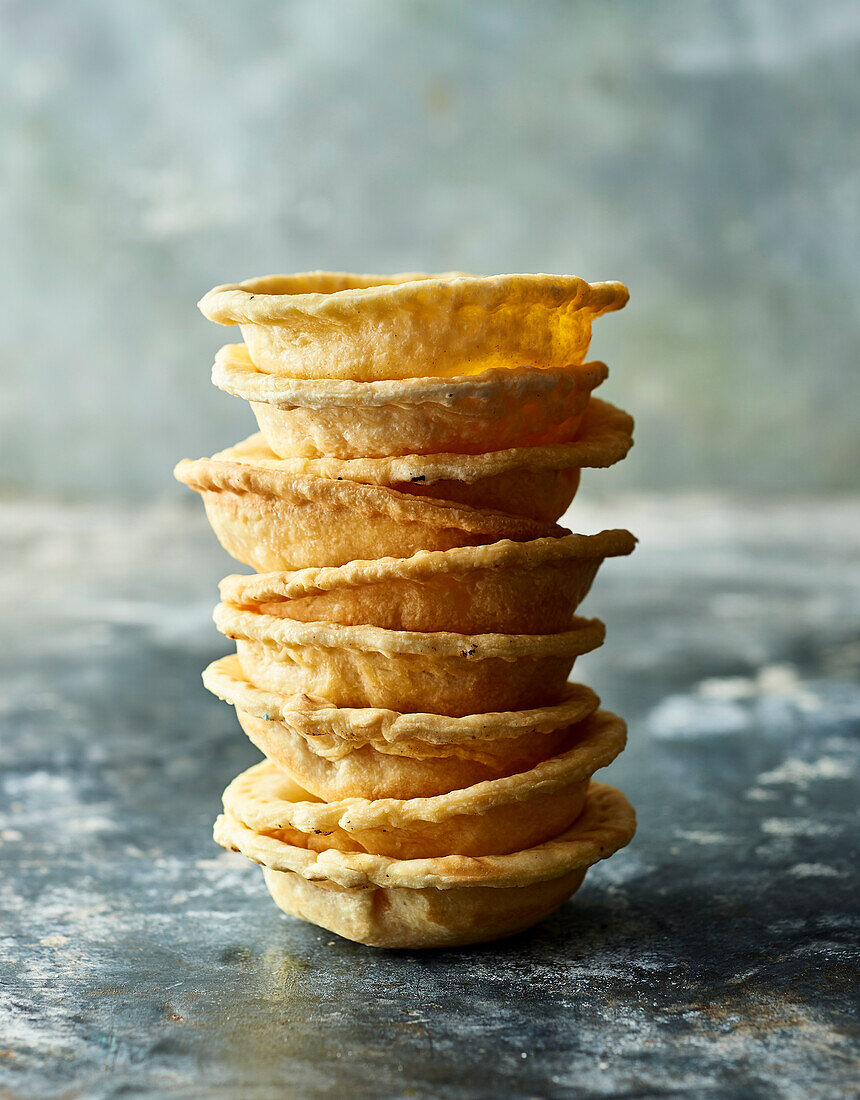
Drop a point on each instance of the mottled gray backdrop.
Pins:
(707, 154)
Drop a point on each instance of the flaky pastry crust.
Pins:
(369, 327)
(437, 901)
(340, 753)
(505, 587)
(273, 521)
(443, 672)
(313, 418)
(493, 817)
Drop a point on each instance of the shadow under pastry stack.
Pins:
(403, 652)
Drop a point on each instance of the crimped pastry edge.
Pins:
(606, 824)
(238, 623)
(256, 301)
(604, 438)
(366, 725)
(234, 372)
(253, 799)
(249, 589)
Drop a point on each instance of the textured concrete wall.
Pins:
(706, 154)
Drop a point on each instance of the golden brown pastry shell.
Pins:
(440, 672)
(491, 411)
(322, 324)
(505, 587)
(495, 817)
(275, 522)
(441, 901)
(340, 753)
(537, 482)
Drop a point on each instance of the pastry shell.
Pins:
(437, 901)
(506, 587)
(494, 817)
(367, 753)
(505, 407)
(440, 672)
(538, 482)
(321, 324)
(271, 520)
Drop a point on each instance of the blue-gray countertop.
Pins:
(712, 958)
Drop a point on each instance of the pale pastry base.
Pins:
(412, 919)
(434, 902)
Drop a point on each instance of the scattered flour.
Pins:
(724, 706)
(702, 836)
(815, 870)
(786, 826)
(800, 773)
(779, 680)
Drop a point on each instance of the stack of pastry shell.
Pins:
(403, 652)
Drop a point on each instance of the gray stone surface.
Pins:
(704, 153)
(712, 958)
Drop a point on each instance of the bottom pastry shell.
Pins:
(400, 918)
(444, 901)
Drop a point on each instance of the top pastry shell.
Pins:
(322, 324)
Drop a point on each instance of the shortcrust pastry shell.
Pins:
(501, 408)
(493, 817)
(505, 587)
(274, 521)
(321, 324)
(437, 901)
(442, 672)
(337, 753)
(537, 482)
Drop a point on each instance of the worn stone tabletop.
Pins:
(711, 958)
